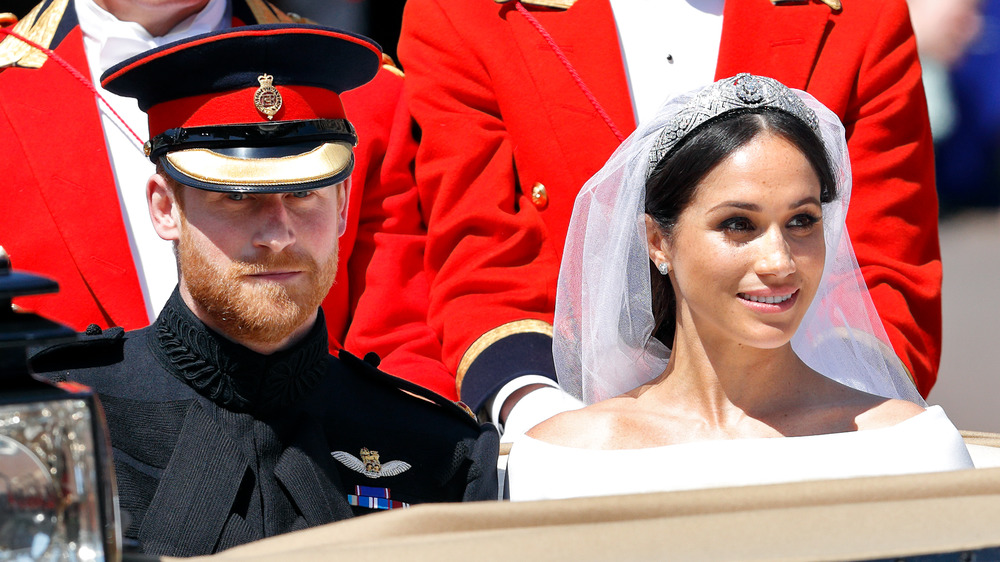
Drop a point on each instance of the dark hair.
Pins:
(671, 186)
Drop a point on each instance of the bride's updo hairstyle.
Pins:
(674, 178)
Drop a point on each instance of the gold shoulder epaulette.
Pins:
(834, 4)
(265, 12)
(39, 26)
(557, 4)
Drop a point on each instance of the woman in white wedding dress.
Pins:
(718, 229)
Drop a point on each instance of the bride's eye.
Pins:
(737, 224)
(804, 221)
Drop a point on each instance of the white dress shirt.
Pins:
(668, 46)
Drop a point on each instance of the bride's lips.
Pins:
(769, 301)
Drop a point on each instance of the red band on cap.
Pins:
(237, 107)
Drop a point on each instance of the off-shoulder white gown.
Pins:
(927, 442)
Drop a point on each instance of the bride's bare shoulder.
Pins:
(852, 407)
(888, 413)
(591, 427)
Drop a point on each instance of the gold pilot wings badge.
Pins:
(369, 464)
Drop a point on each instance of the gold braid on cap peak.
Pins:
(741, 92)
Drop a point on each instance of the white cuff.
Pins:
(536, 407)
(494, 405)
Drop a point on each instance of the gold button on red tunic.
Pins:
(539, 196)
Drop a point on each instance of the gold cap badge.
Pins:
(266, 99)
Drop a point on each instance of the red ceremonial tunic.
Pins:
(509, 138)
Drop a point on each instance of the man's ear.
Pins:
(342, 191)
(656, 243)
(164, 209)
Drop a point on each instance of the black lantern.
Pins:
(57, 494)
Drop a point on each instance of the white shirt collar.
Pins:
(118, 40)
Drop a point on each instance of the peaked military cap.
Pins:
(251, 109)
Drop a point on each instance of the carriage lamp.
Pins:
(57, 494)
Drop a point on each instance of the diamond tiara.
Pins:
(741, 92)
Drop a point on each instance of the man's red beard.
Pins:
(254, 311)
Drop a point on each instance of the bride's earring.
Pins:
(664, 268)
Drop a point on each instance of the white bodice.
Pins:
(927, 442)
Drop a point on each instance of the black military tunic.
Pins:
(216, 445)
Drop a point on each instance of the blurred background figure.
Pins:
(944, 31)
(959, 45)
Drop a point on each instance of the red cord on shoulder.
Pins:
(74, 72)
(572, 71)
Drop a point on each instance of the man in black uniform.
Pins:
(229, 419)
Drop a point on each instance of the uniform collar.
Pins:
(231, 375)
